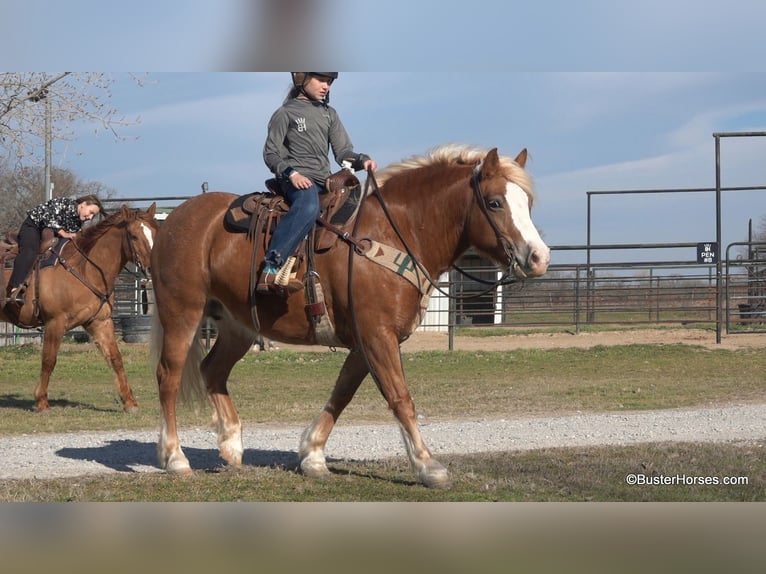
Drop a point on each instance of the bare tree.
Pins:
(33, 103)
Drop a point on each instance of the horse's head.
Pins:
(501, 223)
(140, 231)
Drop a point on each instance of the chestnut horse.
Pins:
(428, 209)
(79, 290)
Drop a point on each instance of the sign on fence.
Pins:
(707, 252)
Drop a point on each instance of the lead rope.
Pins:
(354, 248)
(102, 297)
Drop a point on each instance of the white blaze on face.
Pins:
(518, 203)
(148, 234)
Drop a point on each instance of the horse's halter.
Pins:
(140, 269)
(481, 201)
(501, 239)
(135, 258)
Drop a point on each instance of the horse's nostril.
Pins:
(538, 258)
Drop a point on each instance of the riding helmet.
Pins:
(299, 78)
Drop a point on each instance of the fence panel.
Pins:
(569, 295)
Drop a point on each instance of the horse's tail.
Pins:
(156, 335)
(193, 389)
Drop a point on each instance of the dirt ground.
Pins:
(438, 341)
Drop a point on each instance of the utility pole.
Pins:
(48, 144)
(37, 95)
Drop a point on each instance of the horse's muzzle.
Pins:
(536, 263)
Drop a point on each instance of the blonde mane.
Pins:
(454, 155)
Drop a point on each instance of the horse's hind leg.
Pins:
(232, 343)
(104, 338)
(177, 344)
(311, 451)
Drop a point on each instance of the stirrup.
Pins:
(285, 281)
(17, 295)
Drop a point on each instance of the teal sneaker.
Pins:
(266, 280)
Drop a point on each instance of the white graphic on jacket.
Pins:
(301, 124)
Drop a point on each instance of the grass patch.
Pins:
(290, 388)
(551, 475)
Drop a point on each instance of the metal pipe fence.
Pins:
(573, 296)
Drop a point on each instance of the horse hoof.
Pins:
(435, 476)
(178, 465)
(233, 459)
(437, 483)
(179, 469)
(315, 470)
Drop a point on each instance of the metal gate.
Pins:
(746, 287)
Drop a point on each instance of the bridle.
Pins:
(508, 277)
(481, 201)
(140, 269)
(103, 296)
(356, 250)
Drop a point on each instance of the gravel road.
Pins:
(77, 454)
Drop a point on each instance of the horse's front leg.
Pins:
(386, 364)
(54, 333)
(104, 338)
(311, 451)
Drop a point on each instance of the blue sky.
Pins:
(605, 94)
(584, 132)
(483, 35)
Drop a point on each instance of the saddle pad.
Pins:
(51, 257)
(236, 219)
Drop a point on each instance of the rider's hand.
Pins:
(300, 181)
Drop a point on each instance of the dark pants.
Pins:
(295, 224)
(29, 246)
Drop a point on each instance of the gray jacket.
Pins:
(300, 135)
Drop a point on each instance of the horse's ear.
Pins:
(152, 210)
(521, 159)
(491, 164)
(125, 212)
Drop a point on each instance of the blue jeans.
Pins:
(295, 224)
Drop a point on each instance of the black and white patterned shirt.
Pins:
(57, 213)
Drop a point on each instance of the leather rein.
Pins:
(357, 246)
(102, 296)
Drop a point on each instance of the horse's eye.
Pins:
(495, 204)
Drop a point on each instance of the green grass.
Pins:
(290, 388)
(551, 475)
